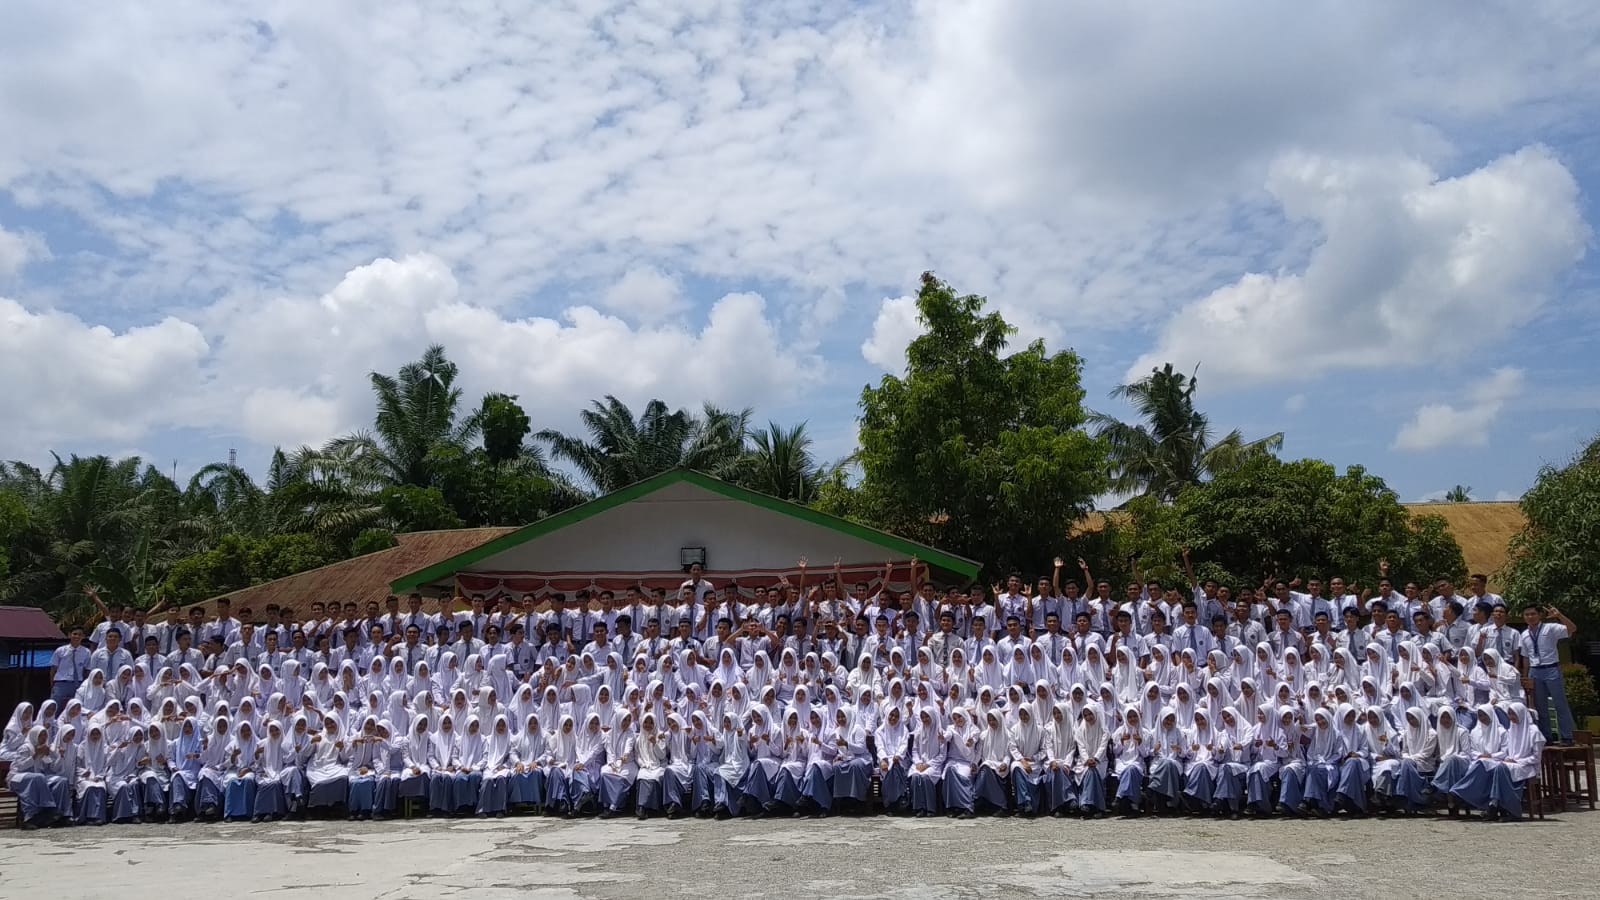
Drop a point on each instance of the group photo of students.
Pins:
(1034, 697)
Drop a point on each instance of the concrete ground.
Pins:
(903, 859)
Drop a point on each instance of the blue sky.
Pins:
(1370, 225)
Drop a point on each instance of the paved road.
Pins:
(902, 859)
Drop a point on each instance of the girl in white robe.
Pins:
(1277, 740)
(1454, 745)
(214, 767)
(1507, 758)
(816, 787)
(1310, 781)
(155, 774)
(994, 763)
(797, 743)
(43, 794)
(678, 787)
(1131, 747)
(766, 759)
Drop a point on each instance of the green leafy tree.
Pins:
(372, 540)
(416, 413)
(504, 426)
(1171, 447)
(1274, 518)
(621, 449)
(1458, 494)
(778, 462)
(1555, 559)
(974, 450)
(418, 508)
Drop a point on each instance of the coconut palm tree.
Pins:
(621, 449)
(779, 462)
(1171, 447)
(1458, 494)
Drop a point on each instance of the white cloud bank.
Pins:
(1441, 425)
(291, 370)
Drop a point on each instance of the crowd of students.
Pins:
(805, 701)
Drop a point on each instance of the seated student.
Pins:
(816, 788)
(1309, 782)
(621, 770)
(893, 741)
(990, 788)
(1090, 760)
(1277, 741)
(1455, 755)
(279, 783)
(1416, 762)
(368, 763)
(1169, 756)
(35, 777)
(926, 775)
(498, 768)
(1506, 759)
(532, 749)
(328, 768)
(1028, 757)
(1058, 785)
(962, 757)
(650, 748)
(1131, 747)
(239, 773)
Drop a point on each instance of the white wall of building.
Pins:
(646, 535)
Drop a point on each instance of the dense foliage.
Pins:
(1556, 558)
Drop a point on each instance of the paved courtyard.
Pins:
(905, 859)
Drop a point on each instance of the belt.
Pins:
(1546, 666)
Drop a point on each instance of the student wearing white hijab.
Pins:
(155, 774)
(766, 761)
(960, 762)
(926, 774)
(1454, 755)
(1277, 740)
(1170, 753)
(994, 762)
(816, 788)
(328, 769)
(651, 750)
(734, 762)
(1207, 751)
(1506, 758)
(1028, 757)
(621, 768)
(187, 750)
(533, 760)
(278, 779)
(214, 767)
(1355, 770)
(94, 769)
(893, 742)
(368, 763)
(1090, 761)
(563, 755)
(1309, 782)
(34, 779)
(239, 783)
(1419, 758)
(1131, 747)
(498, 767)
(1058, 785)
(472, 759)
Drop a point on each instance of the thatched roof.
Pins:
(364, 577)
(1483, 529)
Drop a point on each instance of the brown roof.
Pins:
(364, 577)
(28, 623)
(1483, 529)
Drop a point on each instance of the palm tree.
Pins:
(416, 415)
(621, 449)
(1458, 494)
(1171, 448)
(779, 463)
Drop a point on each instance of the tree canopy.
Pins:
(1556, 557)
(974, 450)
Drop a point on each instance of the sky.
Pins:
(1369, 225)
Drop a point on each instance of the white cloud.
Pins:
(69, 379)
(1503, 496)
(1438, 425)
(292, 370)
(17, 249)
(892, 332)
(1405, 258)
(644, 293)
(1294, 403)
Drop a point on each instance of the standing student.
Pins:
(68, 665)
(1542, 666)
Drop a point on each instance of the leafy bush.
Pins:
(1581, 694)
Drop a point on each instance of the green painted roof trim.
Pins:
(445, 568)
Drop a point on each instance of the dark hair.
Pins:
(1457, 608)
(1532, 606)
(625, 619)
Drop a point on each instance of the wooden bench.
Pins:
(10, 806)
